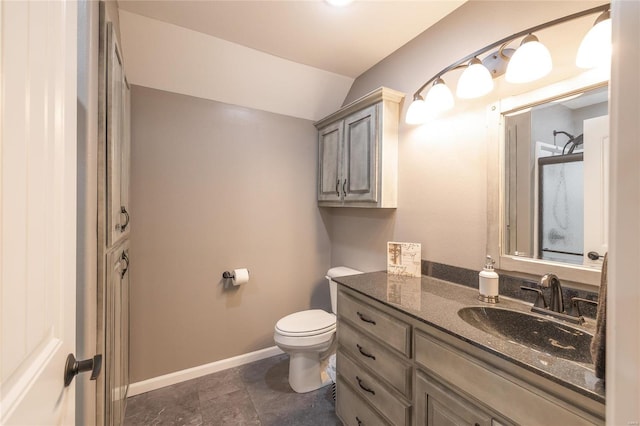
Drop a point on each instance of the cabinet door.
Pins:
(436, 405)
(360, 168)
(329, 162)
(117, 143)
(117, 334)
(125, 157)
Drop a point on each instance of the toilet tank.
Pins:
(338, 271)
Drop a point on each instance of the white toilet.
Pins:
(308, 337)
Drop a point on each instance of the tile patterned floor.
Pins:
(253, 394)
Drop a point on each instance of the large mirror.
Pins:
(556, 179)
(548, 180)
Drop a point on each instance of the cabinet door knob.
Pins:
(126, 261)
(338, 187)
(344, 184)
(122, 227)
(359, 421)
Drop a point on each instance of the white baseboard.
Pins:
(201, 370)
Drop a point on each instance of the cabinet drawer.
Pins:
(388, 329)
(373, 391)
(353, 410)
(385, 363)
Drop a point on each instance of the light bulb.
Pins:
(417, 112)
(595, 48)
(529, 62)
(475, 81)
(439, 97)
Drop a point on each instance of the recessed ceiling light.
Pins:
(338, 3)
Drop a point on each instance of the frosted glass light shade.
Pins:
(439, 98)
(529, 62)
(339, 3)
(475, 81)
(417, 112)
(595, 48)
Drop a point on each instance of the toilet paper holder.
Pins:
(227, 275)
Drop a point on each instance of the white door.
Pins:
(37, 210)
(596, 187)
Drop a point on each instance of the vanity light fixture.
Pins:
(475, 81)
(339, 3)
(529, 62)
(595, 49)
(439, 97)
(417, 110)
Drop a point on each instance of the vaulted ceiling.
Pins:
(297, 58)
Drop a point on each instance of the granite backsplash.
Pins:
(508, 285)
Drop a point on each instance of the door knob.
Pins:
(73, 367)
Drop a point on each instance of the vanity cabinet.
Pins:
(358, 152)
(488, 389)
(393, 368)
(373, 364)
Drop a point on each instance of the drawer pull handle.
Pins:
(368, 355)
(364, 388)
(365, 319)
(359, 421)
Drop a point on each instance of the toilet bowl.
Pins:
(308, 337)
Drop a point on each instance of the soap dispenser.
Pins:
(488, 283)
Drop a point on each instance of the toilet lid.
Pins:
(314, 321)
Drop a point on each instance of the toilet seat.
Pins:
(306, 323)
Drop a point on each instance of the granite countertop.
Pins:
(436, 303)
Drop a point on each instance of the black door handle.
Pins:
(73, 367)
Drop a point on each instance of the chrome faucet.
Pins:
(556, 302)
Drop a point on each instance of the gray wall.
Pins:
(442, 198)
(217, 187)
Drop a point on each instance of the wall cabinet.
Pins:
(395, 369)
(358, 152)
